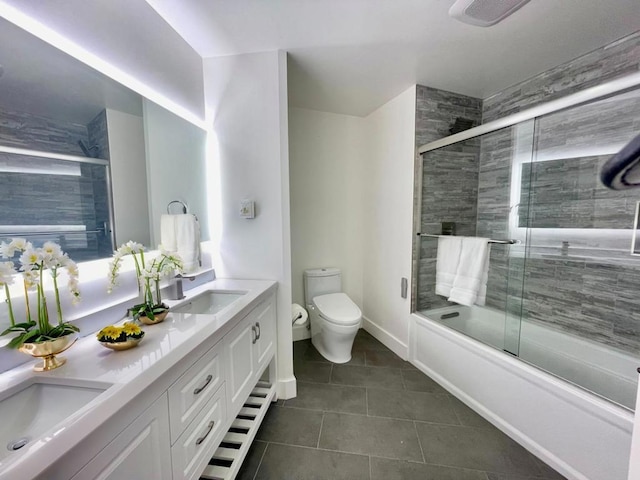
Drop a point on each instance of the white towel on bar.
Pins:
(449, 249)
(168, 232)
(188, 241)
(470, 284)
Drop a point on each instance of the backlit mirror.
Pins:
(85, 161)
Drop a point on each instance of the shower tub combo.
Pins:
(551, 358)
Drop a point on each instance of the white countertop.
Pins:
(128, 372)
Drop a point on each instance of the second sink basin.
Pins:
(209, 302)
(31, 409)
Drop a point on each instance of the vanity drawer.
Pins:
(191, 453)
(193, 389)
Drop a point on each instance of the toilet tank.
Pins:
(320, 281)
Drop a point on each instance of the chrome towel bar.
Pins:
(504, 242)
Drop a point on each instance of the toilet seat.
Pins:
(338, 309)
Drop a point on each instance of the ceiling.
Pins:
(351, 56)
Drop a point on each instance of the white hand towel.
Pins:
(470, 284)
(168, 232)
(188, 241)
(449, 249)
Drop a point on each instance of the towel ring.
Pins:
(185, 209)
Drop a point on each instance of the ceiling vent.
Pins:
(484, 13)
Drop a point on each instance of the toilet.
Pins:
(335, 319)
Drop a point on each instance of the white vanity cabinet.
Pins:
(140, 451)
(249, 347)
(174, 427)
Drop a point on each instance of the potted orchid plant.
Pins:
(37, 335)
(149, 273)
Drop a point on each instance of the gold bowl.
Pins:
(48, 350)
(156, 318)
(126, 345)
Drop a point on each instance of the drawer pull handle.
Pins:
(258, 329)
(209, 428)
(254, 332)
(206, 382)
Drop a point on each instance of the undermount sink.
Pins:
(32, 408)
(209, 302)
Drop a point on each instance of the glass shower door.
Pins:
(468, 190)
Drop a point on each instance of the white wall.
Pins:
(128, 35)
(247, 107)
(388, 216)
(127, 163)
(327, 161)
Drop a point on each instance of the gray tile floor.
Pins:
(376, 418)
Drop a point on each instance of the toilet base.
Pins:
(331, 356)
(334, 342)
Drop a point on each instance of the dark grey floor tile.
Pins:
(312, 372)
(367, 376)
(291, 425)
(548, 473)
(366, 341)
(417, 381)
(386, 469)
(252, 461)
(331, 398)
(475, 448)
(382, 437)
(467, 416)
(283, 462)
(379, 358)
(357, 358)
(304, 351)
(426, 407)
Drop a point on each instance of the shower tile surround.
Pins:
(348, 422)
(76, 197)
(449, 183)
(593, 298)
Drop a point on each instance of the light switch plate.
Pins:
(247, 209)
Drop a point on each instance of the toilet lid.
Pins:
(338, 308)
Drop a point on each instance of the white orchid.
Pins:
(7, 273)
(33, 263)
(8, 250)
(147, 271)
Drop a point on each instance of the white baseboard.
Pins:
(384, 337)
(286, 388)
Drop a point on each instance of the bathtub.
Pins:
(579, 433)
(604, 371)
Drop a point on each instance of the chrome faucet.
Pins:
(177, 292)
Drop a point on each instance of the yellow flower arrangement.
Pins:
(131, 330)
(113, 334)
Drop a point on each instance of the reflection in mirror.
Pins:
(85, 161)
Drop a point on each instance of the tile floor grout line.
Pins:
(320, 432)
(370, 468)
(260, 463)
(415, 427)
